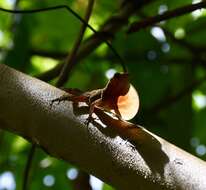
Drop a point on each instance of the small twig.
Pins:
(70, 61)
(1, 137)
(31, 11)
(136, 26)
(28, 166)
(196, 51)
(172, 99)
(51, 54)
(192, 48)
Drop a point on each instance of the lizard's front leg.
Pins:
(70, 97)
(64, 97)
(92, 106)
(91, 110)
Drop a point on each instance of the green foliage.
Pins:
(159, 68)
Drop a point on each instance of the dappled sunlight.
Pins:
(198, 100)
(1, 36)
(5, 40)
(102, 50)
(19, 144)
(7, 181)
(49, 180)
(158, 33)
(194, 142)
(198, 13)
(7, 3)
(179, 33)
(200, 150)
(72, 173)
(110, 73)
(43, 64)
(46, 162)
(165, 47)
(162, 8)
(151, 55)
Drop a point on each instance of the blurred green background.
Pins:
(164, 61)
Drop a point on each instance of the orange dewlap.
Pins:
(128, 105)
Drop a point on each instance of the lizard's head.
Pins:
(119, 83)
(121, 77)
(121, 93)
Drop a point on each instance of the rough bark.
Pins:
(123, 154)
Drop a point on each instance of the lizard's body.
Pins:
(105, 99)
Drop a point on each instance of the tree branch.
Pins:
(51, 54)
(136, 26)
(28, 167)
(143, 161)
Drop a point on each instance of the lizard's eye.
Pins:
(121, 76)
(117, 75)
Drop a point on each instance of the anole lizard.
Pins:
(118, 97)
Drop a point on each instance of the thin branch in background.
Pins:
(50, 54)
(193, 49)
(129, 58)
(196, 51)
(1, 137)
(136, 26)
(100, 35)
(172, 99)
(28, 166)
(70, 61)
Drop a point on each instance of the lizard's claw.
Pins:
(54, 100)
(88, 120)
(60, 99)
(130, 144)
